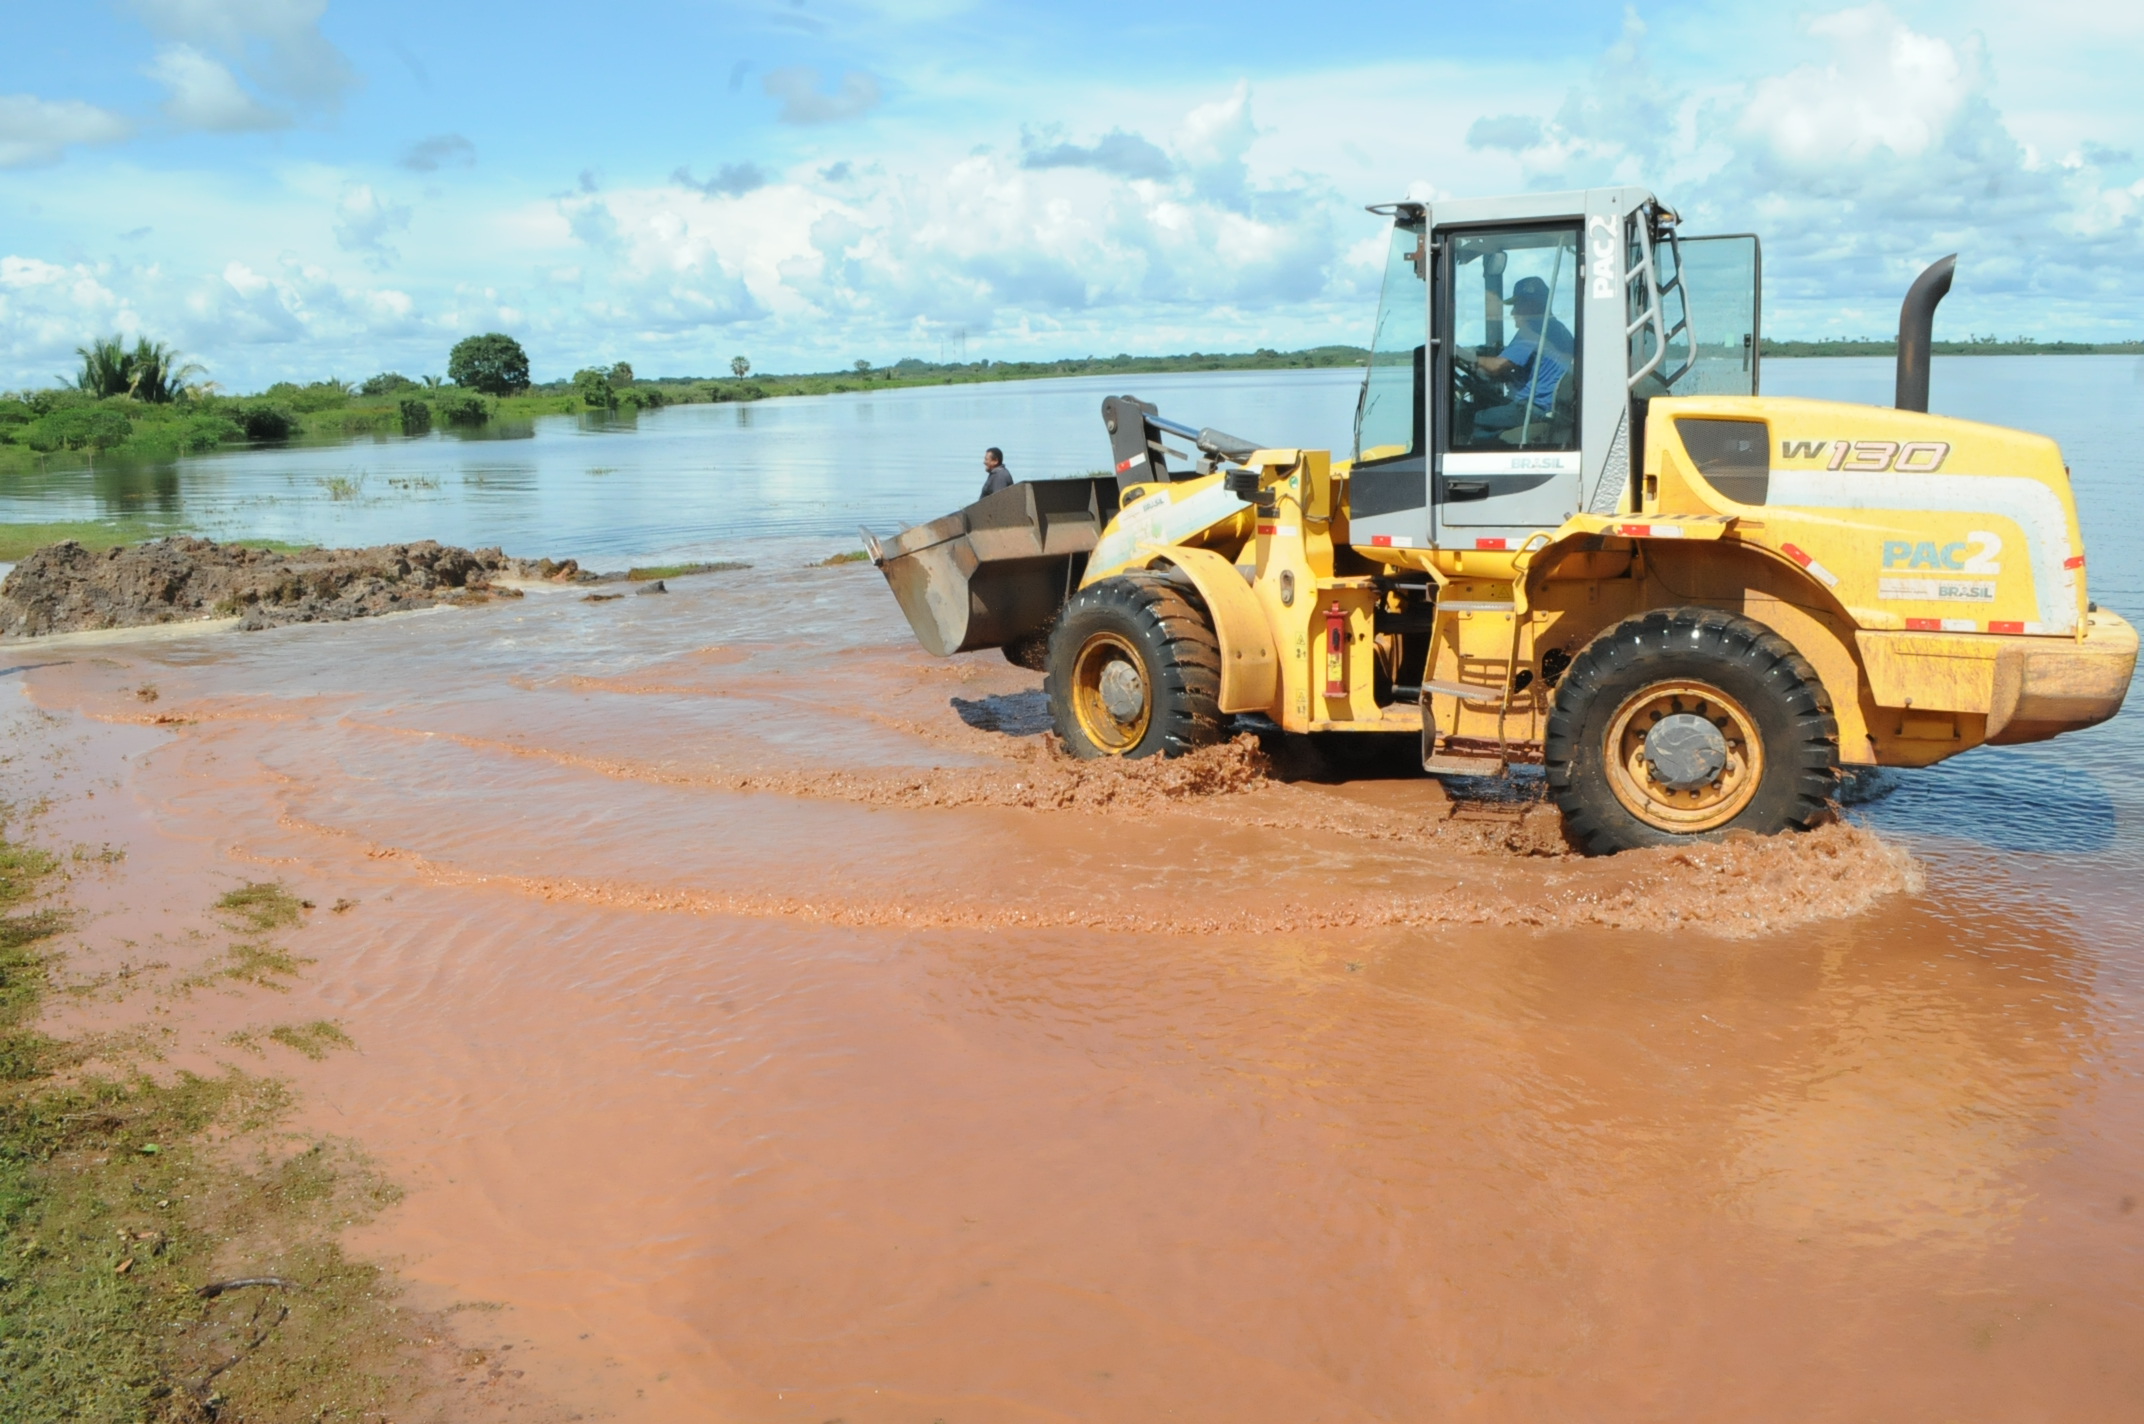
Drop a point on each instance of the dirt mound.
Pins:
(64, 588)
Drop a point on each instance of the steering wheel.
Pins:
(1476, 387)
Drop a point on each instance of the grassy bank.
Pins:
(170, 1252)
(17, 541)
(66, 429)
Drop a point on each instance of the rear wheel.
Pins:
(1682, 725)
(1134, 670)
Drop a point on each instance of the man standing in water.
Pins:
(995, 475)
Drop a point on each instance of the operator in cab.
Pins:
(1532, 365)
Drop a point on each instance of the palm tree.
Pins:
(159, 375)
(107, 368)
(151, 372)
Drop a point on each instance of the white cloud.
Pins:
(1128, 155)
(47, 309)
(276, 44)
(204, 94)
(735, 179)
(34, 130)
(440, 151)
(1859, 143)
(1874, 151)
(363, 220)
(804, 102)
(1883, 86)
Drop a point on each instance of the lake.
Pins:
(708, 480)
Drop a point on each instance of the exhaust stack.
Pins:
(1916, 326)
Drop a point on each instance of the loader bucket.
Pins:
(997, 571)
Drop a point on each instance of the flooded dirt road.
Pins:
(758, 1015)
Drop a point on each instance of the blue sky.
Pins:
(298, 188)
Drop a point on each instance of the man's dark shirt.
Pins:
(998, 478)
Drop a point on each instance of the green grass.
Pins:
(264, 905)
(123, 1195)
(854, 556)
(671, 571)
(19, 541)
(316, 1040)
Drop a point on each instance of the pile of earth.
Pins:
(65, 588)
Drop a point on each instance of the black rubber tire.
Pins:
(1775, 684)
(1179, 657)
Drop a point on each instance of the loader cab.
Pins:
(1518, 341)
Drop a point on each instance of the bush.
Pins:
(263, 422)
(416, 417)
(463, 408)
(492, 363)
(46, 402)
(14, 414)
(738, 391)
(198, 434)
(82, 428)
(386, 383)
(320, 395)
(594, 389)
(642, 397)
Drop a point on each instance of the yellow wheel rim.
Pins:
(1111, 695)
(1684, 757)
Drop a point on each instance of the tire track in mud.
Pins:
(1741, 887)
(1736, 889)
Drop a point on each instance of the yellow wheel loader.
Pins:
(1571, 534)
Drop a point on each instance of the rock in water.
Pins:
(64, 588)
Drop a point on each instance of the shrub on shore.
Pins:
(594, 388)
(96, 428)
(462, 408)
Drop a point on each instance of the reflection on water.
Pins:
(687, 481)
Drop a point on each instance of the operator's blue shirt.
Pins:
(1540, 379)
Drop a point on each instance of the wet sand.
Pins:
(757, 1012)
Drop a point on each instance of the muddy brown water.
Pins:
(760, 1016)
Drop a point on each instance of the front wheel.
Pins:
(1682, 725)
(1134, 670)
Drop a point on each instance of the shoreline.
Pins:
(176, 1230)
(319, 415)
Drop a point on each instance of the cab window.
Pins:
(1388, 416)
(1514, 341)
